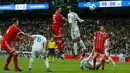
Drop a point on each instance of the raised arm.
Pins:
(30, 36)
(63, 18)
(108, 42)
(77, 17)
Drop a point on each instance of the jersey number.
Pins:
(39, 39)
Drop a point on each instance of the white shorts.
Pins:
(37, 51)
(106, 53)
(75, 34)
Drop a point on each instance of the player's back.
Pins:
(38, 41)
(11, 33)
(72, 18)
(57, 20)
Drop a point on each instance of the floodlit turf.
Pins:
(62, 66)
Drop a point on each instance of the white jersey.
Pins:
(38, 41)
(0, 38)
(72, 19)
(106, 52)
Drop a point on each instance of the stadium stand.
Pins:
(118, 29)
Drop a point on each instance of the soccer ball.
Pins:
(92, 7)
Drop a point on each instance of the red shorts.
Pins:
(101, 51)
(7, 46)
(57, 32)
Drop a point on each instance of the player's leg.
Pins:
(58, 35)
(94, 57)
(59, 44)
(15, 59)
(75, 46)
(80, 41)
(110, 59)
(33, 55)
(4, 46)
(9, 48)
(103, 61)
(8, 61)
(0, 46)
(102, 57)
(49, 57)
(45, 60)
(53, 53)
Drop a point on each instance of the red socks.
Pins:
(59, 44)
(15, 58)
(103, 63)
(8, 60)
(94, 63)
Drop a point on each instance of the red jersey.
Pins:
(99, 39)
(57, 20)
(11, 34)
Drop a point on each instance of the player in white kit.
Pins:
(88, 63)
(39, 46)
(107, 54)
(75, 33)
(0, 39)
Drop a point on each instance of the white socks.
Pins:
(31, 61)
(46, 62)
(75, 48)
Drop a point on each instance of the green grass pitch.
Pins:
(62, 66)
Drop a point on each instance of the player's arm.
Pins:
(63, 18)
(30, 36)
(21, 35)
(77, 17)
(69, 21)
(94, 40)
(108, 42)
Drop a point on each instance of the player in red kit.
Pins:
(10, 36)
(99, 39)
(57, 28)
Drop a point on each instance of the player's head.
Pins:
(59, 9)
(15, 21)
(102, 28)
(41, 33)
(52, 39)
(71, 9)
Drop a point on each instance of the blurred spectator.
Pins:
(117, 28)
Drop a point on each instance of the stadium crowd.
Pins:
(117, 28)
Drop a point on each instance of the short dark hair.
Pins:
(71, 8)
(14, 20)
(41, 33)
(58, 7)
